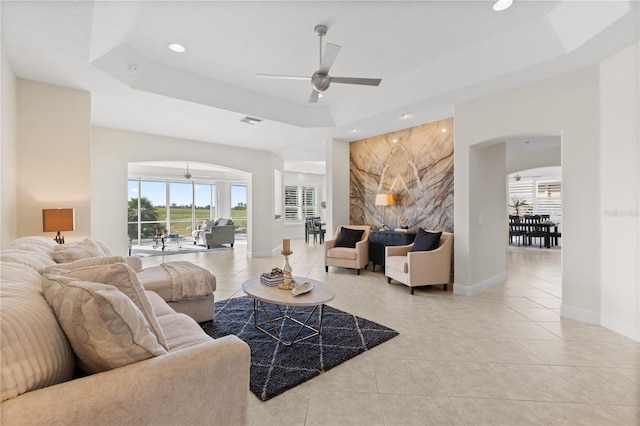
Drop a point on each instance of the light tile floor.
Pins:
(502, 357)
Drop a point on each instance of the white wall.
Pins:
(54, 156)
(568, 105)
(517, 161)
(487, 222)
(8, 153)
(337, 181)
(620, 193)
(114, 149)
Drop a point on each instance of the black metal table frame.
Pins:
(160, 241)
(277, 335)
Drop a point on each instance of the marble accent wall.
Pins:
(416, 166)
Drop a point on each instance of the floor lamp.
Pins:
(57, 220)
(384, 200)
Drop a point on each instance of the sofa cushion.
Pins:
(105, 328)
(349, 237)
(426, 241)
(34, 350)
(119, 275)
(342, 253)
(64, 253)
(182, 331)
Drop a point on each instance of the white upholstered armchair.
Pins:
(420, 268)
(349, 248)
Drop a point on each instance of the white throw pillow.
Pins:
(65, 253)
(105, 328)
(119, 275)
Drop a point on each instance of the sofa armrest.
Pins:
(203, 384)
(432, 266)
(398, 250)
(362, 248)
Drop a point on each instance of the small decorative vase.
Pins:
(288, 282)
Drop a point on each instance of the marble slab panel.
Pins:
(414, 164)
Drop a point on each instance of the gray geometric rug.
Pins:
(276, 368)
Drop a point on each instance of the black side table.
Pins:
(379, 239)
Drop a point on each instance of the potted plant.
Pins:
(517, 204)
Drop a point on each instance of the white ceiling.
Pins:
(429, 54)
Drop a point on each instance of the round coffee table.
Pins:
(286, 304)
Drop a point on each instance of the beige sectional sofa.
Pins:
(144, 363)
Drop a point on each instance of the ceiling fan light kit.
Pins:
(501, 5)
(321, 80)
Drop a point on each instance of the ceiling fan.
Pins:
(321, 80)
(188, 175)
(517, 177)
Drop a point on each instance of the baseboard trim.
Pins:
(580, 314)
(479, 287)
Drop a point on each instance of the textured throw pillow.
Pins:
(121, 276)
(349, 237)
(106, 250)
(65, 253)
(83, 263)
(426, 241)
(106, 330)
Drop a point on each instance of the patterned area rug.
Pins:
(276, 368)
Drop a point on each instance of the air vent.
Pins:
(250, 120)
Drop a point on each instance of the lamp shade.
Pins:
(384, 200)
(56, 220)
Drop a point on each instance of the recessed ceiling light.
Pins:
(501, 5)
(405, 115)
(176, 47)
(353, 130)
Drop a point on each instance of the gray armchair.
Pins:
(221, 234)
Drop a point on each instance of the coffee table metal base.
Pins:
(259, 306)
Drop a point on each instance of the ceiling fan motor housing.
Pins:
(320, 82)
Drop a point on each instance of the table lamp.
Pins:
(58, 220)
(384, 200)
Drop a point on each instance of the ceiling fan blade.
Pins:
(355, 80)
(283, 77)
(328, 57)
(314, 96)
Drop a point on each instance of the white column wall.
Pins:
(487, 222)
(620, 193)
(54, 156)
(8, 153)
(337, 179)
(566, 105)
(223, 199)
(114, 149)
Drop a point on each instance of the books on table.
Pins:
(271, 279)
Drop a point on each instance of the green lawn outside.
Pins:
(181, 218)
